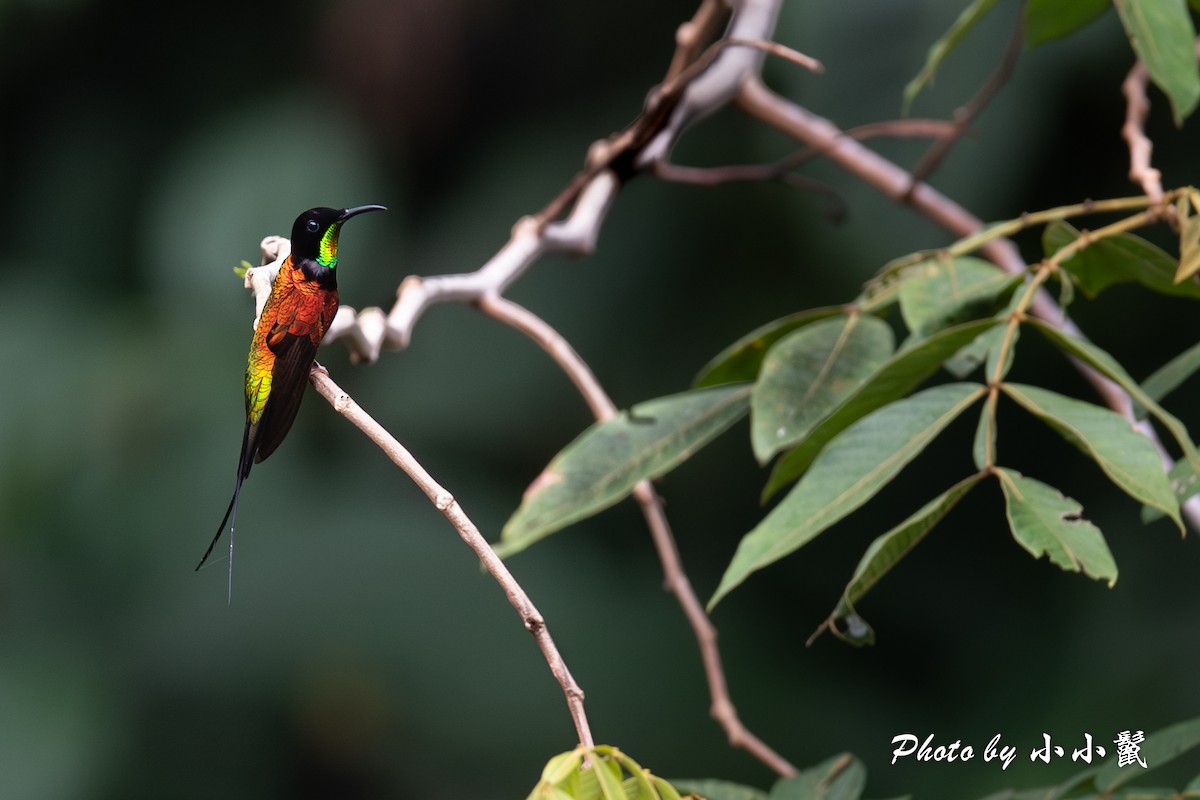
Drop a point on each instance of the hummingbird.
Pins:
(302, 303)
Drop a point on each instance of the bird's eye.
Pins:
(314, 226)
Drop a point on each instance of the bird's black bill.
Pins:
(347, 213)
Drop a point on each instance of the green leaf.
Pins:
(603, 465)
(1159, 749)
(608, 774)
(1111, 369)
(1162, 35)
(942, 292)
(810, 372)
(1187, 209)
(943, 46)
(711, 789)
(742, 359)
(1126, 457)
(1123, 258)
(849, 472)
(895, 378)
(983, 449)
(1044, 521)
(887, 550)
(1168, 377)
(839, 778)
(1184, 482)
(1047, 20)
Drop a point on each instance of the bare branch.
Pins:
(445, 503)
(1137, 106)
(674, 576)
(965, 115)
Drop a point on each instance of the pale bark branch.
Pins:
(450, 508)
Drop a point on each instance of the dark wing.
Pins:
(289, 379)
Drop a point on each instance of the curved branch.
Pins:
(445, 503)
(675, 577)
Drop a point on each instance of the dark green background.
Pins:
(147, 147)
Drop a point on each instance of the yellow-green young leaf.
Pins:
(887, 550)
(608, 774)
(1162, 35)
(1126, 457)
(1047, 20)
(842, 777)
(741, 360)
(943, 46)
(1124, 258)
(942, 292)
(559, 768)
(1159, 748)
(1188, 212)
(849, 471)
(895, 378)
(1111, 369)
(603, 465)
(809, 373)
(1044, 521)
(711, 789)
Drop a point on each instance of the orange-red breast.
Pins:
(301, 306)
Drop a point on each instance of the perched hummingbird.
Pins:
(301, 306)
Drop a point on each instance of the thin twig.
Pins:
(445, 503)
(1137, 106)
(674, 575)
(965, 115)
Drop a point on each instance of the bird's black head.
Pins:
(315, 233)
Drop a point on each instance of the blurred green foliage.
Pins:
(146, 150)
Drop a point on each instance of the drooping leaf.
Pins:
(1188, 213)
(604, 464)
(943, 47)
(983, 449)
(741, 360)
(1169, 376)
(1126, 457)
(1185, 483)
(895, 378)
(1044, 521)
(943, 292)
(842, 777)
(1047, 20)
(1160, 748)
(887, 550)
(849, 471)
(810, 372)
(1162, 35)
(1124, 258)
(1111, 369)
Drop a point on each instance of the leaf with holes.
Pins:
(1045, 522)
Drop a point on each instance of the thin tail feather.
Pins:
(245, 462)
